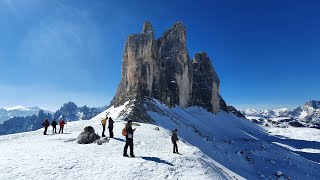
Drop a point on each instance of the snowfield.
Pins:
(213, 146)
(32, 155)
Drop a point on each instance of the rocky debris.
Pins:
(296, 124)
(87, 136)
(235, 111)
(157, 128)
(161, 69)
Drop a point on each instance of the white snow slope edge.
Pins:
(220, 146)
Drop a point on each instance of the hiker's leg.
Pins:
(177, 148)
(103, 130)
(131, 147)
(125, 149)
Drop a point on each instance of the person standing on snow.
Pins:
(61, 124)
(174, 139)
(104, 122)
(45, 124)
(129, 139)
(110, 127)
(54, 126)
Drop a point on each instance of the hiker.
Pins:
(54, 126)
(110, 127)
(61, 123)
(129, 139)
(45, 124)
(104, 122)
(174, 139)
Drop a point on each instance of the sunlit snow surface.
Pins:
(219, 146)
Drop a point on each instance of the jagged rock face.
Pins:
(139, 66)
(175, 62)
(205, 83)
(162, 69)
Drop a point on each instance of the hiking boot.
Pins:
(125, 155)
(132, 155)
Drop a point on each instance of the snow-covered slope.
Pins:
(240, 145)
(220, 146)
(34, 156)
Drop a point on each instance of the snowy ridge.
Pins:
(306, 116)
(240, 145)
(18, 111)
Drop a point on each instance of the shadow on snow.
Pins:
(157, 160)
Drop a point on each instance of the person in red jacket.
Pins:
(45, 124)
(61, 123)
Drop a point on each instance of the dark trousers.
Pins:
(45, 130)
(61, 130)
(111, 131)
(175, 147)
(54, 129)
(129, 142)
(103, 130)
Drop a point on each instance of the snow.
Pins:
(303, 114)
(19, 107)
(213, 146)
(239, 145)
(32, 155)
(301, 133)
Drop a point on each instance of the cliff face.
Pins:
(162, 69)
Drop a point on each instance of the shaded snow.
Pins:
(239, 145)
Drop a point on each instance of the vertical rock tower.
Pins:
(162, 69)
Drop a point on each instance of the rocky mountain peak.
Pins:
(313, 103)
(147, 28)
(161, 69)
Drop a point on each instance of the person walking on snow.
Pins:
(174, 139)
(45, 124)
(110, 127)
(129, 139)
(61, 124)
(104, 122)
(54, 126)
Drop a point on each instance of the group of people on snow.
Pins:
(127, 131)
(54, 124)
(110, 126)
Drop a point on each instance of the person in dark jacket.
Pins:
(54, 126)
(129, 139)
(45, 124)
(110, 127)
(174, 139)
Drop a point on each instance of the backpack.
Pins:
(124, 131)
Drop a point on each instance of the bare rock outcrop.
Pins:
(162, 69)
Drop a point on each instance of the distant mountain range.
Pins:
(303, 116)
(19, 111)
(29, 119)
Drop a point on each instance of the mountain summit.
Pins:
(162, 69)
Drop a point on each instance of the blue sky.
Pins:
(266, 53)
